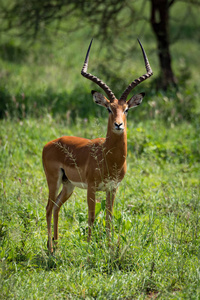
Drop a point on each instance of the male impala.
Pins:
(95, 165)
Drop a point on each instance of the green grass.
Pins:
(155, 238)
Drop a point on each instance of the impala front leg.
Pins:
(64, 195)
(91, 210)
(110, 198)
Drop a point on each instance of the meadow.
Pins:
(155, 239)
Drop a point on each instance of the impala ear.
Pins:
(135, 100)
(100, 99)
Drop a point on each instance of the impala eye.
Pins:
(126, 111)
(109, 110)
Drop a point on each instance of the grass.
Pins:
(155, 241)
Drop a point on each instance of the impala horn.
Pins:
(95, 79)
(105, 87)
(141, 78)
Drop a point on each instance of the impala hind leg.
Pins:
(91, 210)
(54, 180)
(49, 208)
(64, 195)
(51, 200)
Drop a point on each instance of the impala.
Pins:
(96, 165)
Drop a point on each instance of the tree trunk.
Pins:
(160, 25)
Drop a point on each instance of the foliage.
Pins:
(107, 20)
(32, 19)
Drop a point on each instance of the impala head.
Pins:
(117, 108)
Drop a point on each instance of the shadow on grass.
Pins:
(46, 262)
(12, 53)
(172, 105)
(78, 103)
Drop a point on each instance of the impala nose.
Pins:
(119, 126)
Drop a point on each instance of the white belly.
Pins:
(81, 185)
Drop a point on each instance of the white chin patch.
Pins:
(118, 131)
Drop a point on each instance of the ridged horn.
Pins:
(95, 79)
(141, 78)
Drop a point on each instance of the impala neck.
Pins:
(116, 145)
